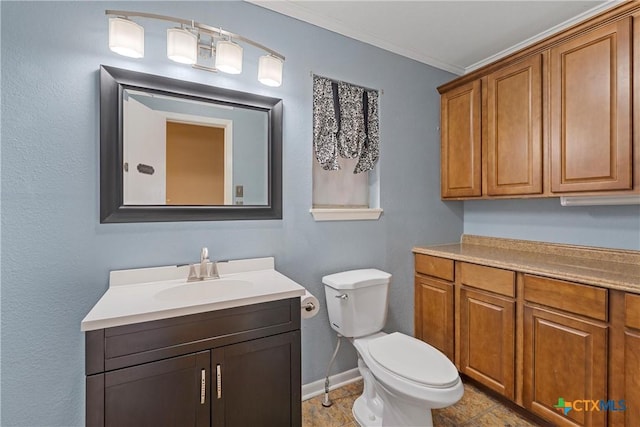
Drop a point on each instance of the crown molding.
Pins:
(298, 11)
(547, 33)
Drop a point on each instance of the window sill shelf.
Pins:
(346, 214)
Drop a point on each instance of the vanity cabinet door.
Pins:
(565, 357)
(257, 383)
(632, 376)
(434, 313)
(487, 340)
(172, 392)
(631, 360)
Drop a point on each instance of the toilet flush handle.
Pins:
(342, 296)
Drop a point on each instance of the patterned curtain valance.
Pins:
(345, 124)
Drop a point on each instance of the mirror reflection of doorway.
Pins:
(195, 164)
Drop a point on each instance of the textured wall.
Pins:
(55, 254)
(546, 220)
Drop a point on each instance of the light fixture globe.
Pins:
(228, 57)
(270, 70)
(182, 46)
(126, 37)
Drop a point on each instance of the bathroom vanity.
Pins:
(536, 322)
(227, 357)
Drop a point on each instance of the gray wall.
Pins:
(546, 220)
(55, 254)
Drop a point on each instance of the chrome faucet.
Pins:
(204, 260)
(206, 269)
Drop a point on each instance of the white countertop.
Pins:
(130, 300)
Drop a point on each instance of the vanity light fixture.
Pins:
(194, 44)
(126, 37)
(182, 46)
(229, 57)
(270, 70)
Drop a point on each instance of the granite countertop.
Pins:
(608, 268)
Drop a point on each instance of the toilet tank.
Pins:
(357, 301)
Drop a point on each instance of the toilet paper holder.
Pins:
(309, 306)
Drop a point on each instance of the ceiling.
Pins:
(457, 36)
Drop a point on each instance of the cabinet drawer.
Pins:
(632, 311)
(586, 300)
(488, 278)
(434, 266)
(122, 346)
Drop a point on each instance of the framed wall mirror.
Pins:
(172, 150)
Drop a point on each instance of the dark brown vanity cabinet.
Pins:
(233, 367)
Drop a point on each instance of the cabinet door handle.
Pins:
(203, 386)
(219, 381)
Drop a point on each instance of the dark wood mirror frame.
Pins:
(113, 81)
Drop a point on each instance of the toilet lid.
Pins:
(413, 359)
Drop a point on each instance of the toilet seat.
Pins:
(414, 360)
(401, 385)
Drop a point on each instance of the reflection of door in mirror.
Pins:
(171, 158)
(195, 164)
(145, 131)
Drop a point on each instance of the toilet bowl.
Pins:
(404, 378)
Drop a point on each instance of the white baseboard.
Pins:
(316, 388)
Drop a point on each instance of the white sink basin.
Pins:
(147, 294)
(205, 290)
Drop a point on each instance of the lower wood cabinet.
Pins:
(541, 342)
(631, 360)
(487, 339)
(228, 368)
(565, 360)
(632, 377)
(434, 313)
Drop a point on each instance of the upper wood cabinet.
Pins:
(590, 111)
(514, 129)
(460, 141)
(556, 117)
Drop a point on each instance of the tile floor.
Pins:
(475, 409)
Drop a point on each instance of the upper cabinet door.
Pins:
(514, 129)
(460, 142)
(590, 78)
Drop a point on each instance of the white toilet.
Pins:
(404, 378)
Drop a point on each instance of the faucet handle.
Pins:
(204, 254)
